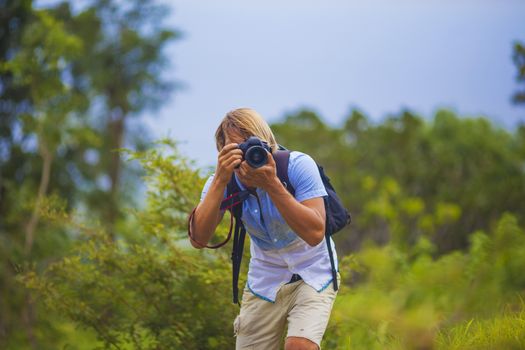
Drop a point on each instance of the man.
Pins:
(289, 277)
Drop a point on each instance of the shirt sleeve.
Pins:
(207, 186)
(304, 177)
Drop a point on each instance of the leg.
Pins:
(308, 317)
(297, 343)
(260, 324)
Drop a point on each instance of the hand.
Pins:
(262, 177)
(229, 157)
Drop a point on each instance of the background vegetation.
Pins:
(433, 260)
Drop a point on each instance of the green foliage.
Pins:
(519, 61)
(54, 139)
(121, 72)
(396, 301)
(406, 177)
(149, 290)
(139, 295)
(505, 331)
(145, 291)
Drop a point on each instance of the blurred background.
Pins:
(107, 117)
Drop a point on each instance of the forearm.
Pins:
(207, 215)
(306, 222)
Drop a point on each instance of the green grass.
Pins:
(506, 331)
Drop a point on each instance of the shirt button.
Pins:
(255, 211)
(275, 239)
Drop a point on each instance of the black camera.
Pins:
(254, 151)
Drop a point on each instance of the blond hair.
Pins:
(247, 122)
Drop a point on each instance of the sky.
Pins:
(380, 56)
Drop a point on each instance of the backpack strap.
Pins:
(282, 158)
(239, 233)
(237, 251)
(328, 235)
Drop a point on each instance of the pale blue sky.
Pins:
(377, 55)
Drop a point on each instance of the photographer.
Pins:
(289, 277)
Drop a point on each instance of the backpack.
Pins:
(337, 216)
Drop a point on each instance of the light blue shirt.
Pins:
(277, 252)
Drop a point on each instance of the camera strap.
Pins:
(234, 199)
(228, 203)
(190, 235)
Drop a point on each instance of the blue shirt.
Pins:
(274, 232)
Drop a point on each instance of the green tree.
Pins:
(54, 146)
(151, 290)
(449, 165)
(37, 67)
(120, 69)
(391, 299)
(519, 61)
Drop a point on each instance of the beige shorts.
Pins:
(261, 324)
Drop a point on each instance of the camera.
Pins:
(254, 151)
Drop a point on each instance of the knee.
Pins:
(298, 343)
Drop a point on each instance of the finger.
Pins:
(232, 163)
(271, 161)
(242, 171)
(231, 145)
(228, 148)
(228, 153)
(239, 175)
(232, 154)
(245, 167)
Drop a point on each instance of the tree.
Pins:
(120, 69)
(519, 61)
(38, 67)
(54, 146)
(151, 290)
(383, 170)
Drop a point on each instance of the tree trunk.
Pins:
(116, 129)
(29, 317)
(28, 312)
(47, 158)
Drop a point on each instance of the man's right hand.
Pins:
(229, 157)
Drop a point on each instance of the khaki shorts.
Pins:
(261, 324)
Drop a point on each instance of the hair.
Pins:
(247, 122)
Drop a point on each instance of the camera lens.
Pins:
(256, 156)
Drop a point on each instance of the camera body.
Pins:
(254, 151)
